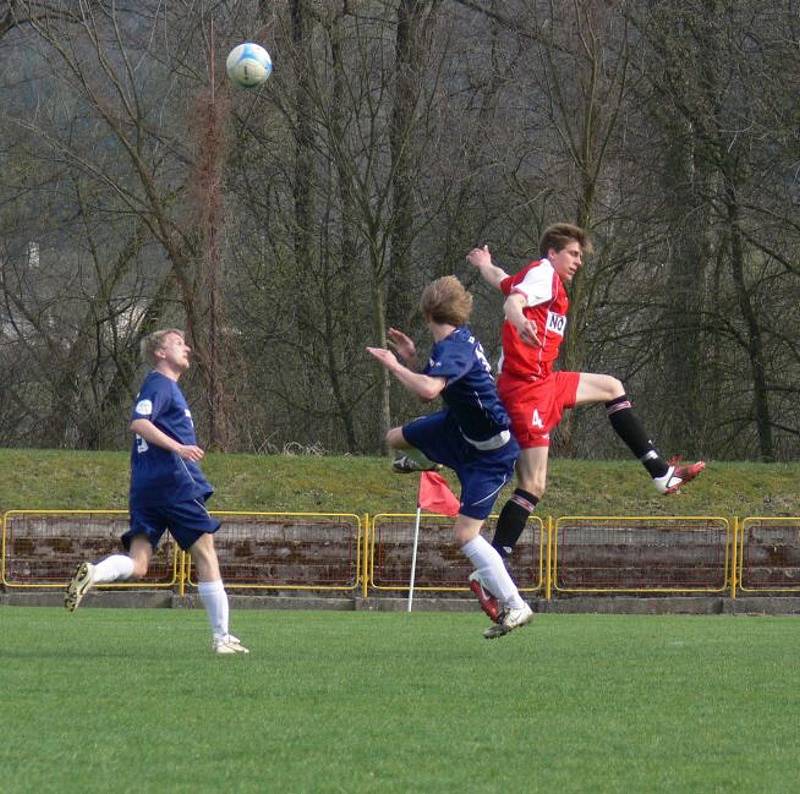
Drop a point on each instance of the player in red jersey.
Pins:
(536, 396)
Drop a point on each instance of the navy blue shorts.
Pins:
(482, 474)
(186, 522)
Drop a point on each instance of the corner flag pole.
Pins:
(414, 559)
(435, 496)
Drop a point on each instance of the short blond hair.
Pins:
(560, 235)
(446, 301)
(155, 341)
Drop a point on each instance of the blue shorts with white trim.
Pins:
(482, 473)
(186, 521)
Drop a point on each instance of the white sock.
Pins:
(664, 482)
(215, 600)
(117, 566)
(489, 564)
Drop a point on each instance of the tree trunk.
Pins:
(755, 348)
(400, 299)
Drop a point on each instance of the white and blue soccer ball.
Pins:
(248, 65)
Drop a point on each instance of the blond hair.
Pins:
(155, 341)
(446, 301)
(560, 235)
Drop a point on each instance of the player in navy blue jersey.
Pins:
(470, 435)
(168, 490)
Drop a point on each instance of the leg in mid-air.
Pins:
(481, 477)
(531, 474)
(535, 408)
(116, 567)
(512, 611)
(407, 458)
(668, 475)
(490, 580)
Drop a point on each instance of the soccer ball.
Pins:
(248, 65)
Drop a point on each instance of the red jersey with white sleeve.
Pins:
(546, 306)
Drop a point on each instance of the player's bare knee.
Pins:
(204, 558)
(394, 438)
(466, 529)
(140, 552)
(140, 566)
(535, 484)
(615, 388)
(208, 571)
(462, 536)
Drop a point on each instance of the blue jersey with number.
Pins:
(470, 393)
(160, 477)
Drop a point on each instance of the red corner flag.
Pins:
(435, 495)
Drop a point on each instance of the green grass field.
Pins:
(133, 700)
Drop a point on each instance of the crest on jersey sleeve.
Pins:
(144, 407)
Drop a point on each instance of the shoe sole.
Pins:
(229, 650)
(397, 470)
(78, 587)
(493, 632)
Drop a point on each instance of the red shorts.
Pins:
(536, 407)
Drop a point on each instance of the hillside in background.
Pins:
(284, 483)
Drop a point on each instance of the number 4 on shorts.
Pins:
(536, 420)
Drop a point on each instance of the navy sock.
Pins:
(628, 427)
(512, 520)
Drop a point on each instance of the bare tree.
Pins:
(287, 226)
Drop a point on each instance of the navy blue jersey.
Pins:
(160, 477)
(470, 392)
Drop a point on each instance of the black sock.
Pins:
(628, 427)
(512, 520)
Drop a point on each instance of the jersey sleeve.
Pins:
(536, 283)
(151, 401)
(507, 284)
(450, 360)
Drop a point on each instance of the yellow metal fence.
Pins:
(263, 551)
(768, 555)
(289, 551)
(42, 548)
(642, 554)
(441, 567)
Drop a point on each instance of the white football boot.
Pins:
(80, 584)
(228, 645)
(677, 475)
(511, 619)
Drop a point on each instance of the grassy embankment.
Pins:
(80, 480)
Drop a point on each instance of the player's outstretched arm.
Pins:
(424, 386)
(481, 258)
(152, 435)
